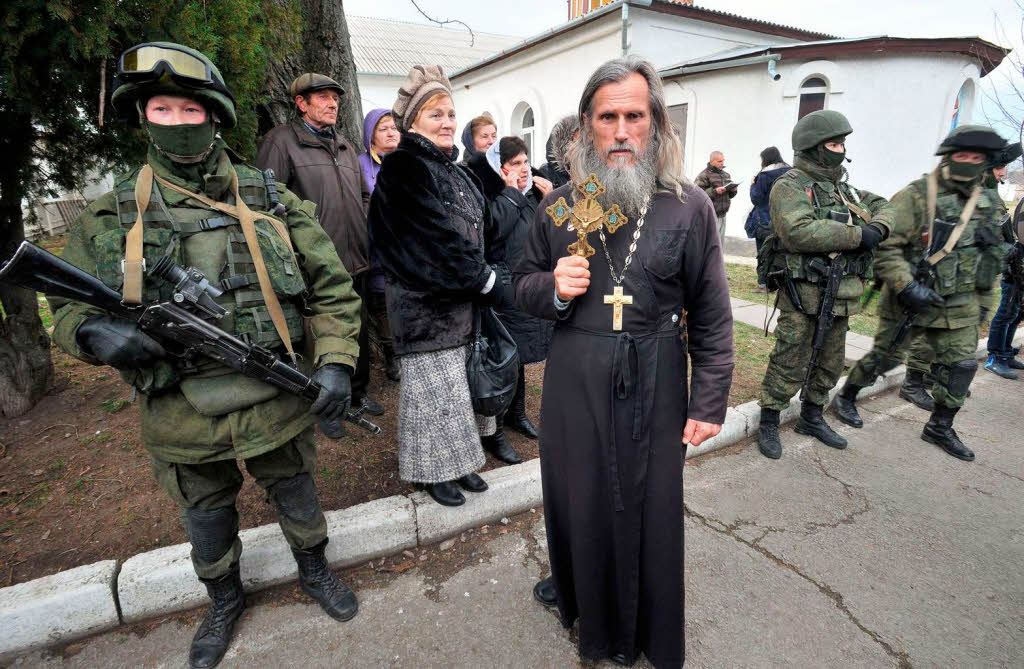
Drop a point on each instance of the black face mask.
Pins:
(831, 158)
(965, 172)
(187, 144)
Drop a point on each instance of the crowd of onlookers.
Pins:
(426, 234)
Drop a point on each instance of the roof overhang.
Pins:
(988, 55)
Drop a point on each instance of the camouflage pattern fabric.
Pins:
(788, 362)
(877, 362)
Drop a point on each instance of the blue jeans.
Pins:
(1004, 323)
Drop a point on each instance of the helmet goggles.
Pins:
(149, 62)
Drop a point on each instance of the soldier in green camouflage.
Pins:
(197, 422)
(816, 216)
(949, 217)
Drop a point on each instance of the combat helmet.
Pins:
(819, 126)
(971, 138)
(153, 68)
(1007, 155)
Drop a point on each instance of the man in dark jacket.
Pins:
(717, 183)
(319, 165)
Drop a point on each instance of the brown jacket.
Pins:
(709, 180)
(327, 173)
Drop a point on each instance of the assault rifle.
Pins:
(832, 273)
(181, 324)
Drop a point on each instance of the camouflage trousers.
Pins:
(215, 485)
(791, 355)
(914, 348)
(954, 363)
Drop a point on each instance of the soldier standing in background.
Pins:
(817, 219)
(197, 421)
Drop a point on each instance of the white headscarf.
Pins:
(494, 160)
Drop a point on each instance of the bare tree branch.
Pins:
(444, 22)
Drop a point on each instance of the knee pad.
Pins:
(211, 531)
(961, 373)
(295, 498)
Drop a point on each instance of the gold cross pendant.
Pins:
(618, 300)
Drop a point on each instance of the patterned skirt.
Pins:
(438, 433)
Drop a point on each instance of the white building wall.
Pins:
(378, 90)
(900, 107)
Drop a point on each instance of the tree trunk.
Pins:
(326, 49)
(26, 368)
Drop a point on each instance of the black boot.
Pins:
(392, 369)
(939, 431)
(498, 446)
(846, 405)
(516, 417)
(544, 592)
(472, 482)
(320, 583)
(768, 434)
(445, 493)
(812, 424)
(227, 601)
(914, 390)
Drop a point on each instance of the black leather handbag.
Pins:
(493, 365)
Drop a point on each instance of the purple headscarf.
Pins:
(370, 166)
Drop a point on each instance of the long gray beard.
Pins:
(630, 187)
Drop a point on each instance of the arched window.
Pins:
(813, 94)
(523, 125)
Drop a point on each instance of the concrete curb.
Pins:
(93, 598)
(62, 607)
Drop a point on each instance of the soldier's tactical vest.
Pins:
(978, 257)
(212, 242)
(824, 199)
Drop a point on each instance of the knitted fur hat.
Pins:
(422, 82)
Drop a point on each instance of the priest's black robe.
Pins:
(612, 418)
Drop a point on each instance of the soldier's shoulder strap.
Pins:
(965, 216)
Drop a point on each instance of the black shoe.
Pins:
(846, 405)
(939, 431)
(472, 482)
(444, 493)
(1014, 363)
(392, 369)
(370, 407)
(227, 601)
(522, 425)
(544, 592)
(915, 391)
(622, 659)
(498, 446)
(768, 441)
(320, 583)
(812, 424)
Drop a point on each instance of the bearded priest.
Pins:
(616, 414)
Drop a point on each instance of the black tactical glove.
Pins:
(917, 297)
(335, 393)
(870, 237)
(982, 315)
(1016, 252)
(118, 343)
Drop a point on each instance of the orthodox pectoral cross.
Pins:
(617, 300)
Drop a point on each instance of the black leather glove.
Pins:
(335, 393)
(870, 237)
(118, 343)
(917, 297)
(502, 294)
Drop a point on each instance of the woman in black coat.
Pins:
(513, 192)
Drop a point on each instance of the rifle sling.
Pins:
(958, 231)
(240, 211)
(863, 213)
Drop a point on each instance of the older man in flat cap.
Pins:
(316, 163)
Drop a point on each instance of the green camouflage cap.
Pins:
(971, 138)
(819, 126)
(127, 93)
(311, 81)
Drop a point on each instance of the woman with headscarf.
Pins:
(513, 192)
(428, 222)
(380, 137)
(478, 136)
(759, 220)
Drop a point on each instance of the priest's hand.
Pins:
(572, 277)
(696, 432)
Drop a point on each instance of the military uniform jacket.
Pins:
(209, 412)
(800, 202)
(966, 277)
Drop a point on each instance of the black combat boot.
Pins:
(939, 431)
(498, 446)
(812, 424)
(516, 417)
(914, 390)
(544, 592)
(227, 601)
(846, 405)
(320, 583)
(392, 368)
(768, 441)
